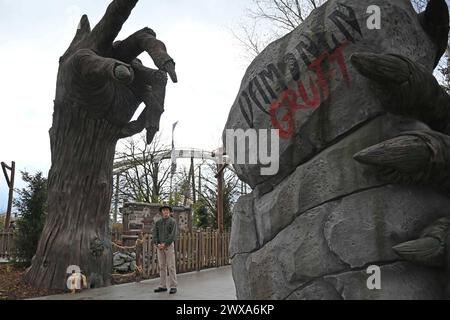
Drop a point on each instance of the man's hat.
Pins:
(165, 207)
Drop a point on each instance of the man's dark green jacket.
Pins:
(165, 231)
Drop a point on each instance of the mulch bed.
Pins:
(127, 278)
(13, 288)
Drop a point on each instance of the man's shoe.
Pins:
(173, 290)
(161, 289)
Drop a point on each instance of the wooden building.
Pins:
(141, 217)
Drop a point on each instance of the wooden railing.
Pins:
(193, 251)
(116, 235)
(6, 244)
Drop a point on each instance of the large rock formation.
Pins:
(341, 201)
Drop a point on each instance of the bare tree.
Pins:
(2, 220)
(268, 20)
(141, 179)
(419, 5)
(209, 191)
(286, 14)
(182, 193)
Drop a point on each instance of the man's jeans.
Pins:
(166, 260)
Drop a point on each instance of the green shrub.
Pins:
(201, 215)
(32, 207)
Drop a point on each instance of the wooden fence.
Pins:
(6, 244)
(193, 251)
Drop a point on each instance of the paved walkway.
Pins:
(211, 284)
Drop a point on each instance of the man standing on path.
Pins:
(164, 235)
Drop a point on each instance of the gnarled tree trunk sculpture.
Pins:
(99, 87)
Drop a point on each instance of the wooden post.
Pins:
(193, 181)
(199, 180)
(139, 250)
(190, 248)
(125, 219)
(178, 253)
(155, 263)
(10, 183)
(228, 247)
(175, 198)
(200, 250)
(197, 250)
(144, 253)
(222, 251)
(217, 248)
(182, 252)
(116, 199)
(219, 177)
(207, 246)
(190, 252)
(219, 211)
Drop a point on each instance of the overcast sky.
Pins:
(34, 34)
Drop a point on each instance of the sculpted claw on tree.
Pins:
(418, 157)
(100, 85)
(110, 70)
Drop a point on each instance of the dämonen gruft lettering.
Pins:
(271, 84)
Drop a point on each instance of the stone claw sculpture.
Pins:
(417, 157)
(420, 157)
(431, 249)
(409, 89)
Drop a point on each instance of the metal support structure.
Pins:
(199, 180)
(10, 183)
(194, 200)
(174, 154)
(173, 167)
(220, 224)
(170, 189)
